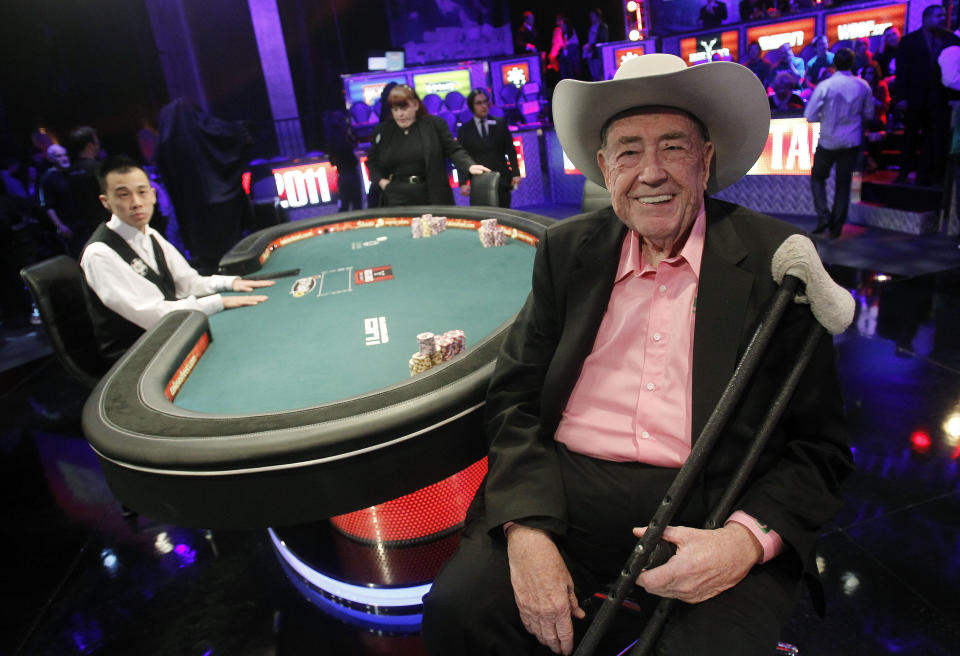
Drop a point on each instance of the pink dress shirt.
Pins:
(633, 400)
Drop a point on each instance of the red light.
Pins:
(920, 441)
(956, 453)
(245, 180)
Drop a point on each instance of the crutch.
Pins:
(795, 261)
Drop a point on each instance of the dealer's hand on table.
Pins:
(706, 562)
(241, 285)
(542, 587)
(230, 302)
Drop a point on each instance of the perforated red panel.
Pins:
(434, 509)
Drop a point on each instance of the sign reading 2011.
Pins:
(307, 184)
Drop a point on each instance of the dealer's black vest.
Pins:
(114, 333)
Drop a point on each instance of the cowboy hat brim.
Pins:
(727, 97)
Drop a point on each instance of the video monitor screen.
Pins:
(722, 46)
(865, 22)
(798, 33)
(516, 73)
(367, 88)
(442, 82)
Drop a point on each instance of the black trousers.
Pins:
(471, 610)
(400, 194)
(926, 127)
(845, 159)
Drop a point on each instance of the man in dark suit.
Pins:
(489, 142)
(600, 389)
(922, 98)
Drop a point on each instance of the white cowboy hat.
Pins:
(728, 98)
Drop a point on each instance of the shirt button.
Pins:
(663, 289)
(651, 386)
(645, 435)
(656, 337)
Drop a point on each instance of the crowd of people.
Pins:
(904, 81)
(564, 55)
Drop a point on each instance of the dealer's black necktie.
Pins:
(483, 129)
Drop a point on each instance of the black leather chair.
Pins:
(485, 189)
(57, 289)
(595, 197)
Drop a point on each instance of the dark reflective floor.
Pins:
(80, 579)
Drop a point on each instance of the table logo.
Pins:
(303, 286)
(376, 331)
(375, 274)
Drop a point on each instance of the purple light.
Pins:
(187, 555)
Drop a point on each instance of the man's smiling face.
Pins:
(656, 165)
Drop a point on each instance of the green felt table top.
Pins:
(327, 344)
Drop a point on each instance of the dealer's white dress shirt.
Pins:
(135, 298)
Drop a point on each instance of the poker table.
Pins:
(304, 407)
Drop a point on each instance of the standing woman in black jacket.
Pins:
(408, 155)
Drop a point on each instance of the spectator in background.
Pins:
(526, 40)
(202, 158)
(713, 13)
(785, 101)
(842, 104)
(876, 128)
(820, 66)
(756, 62)
(83, 146)
(788, 62)
(564, 58)
(949, 62)
(888, 51)
(341, 148)
(753, 9)
(408, 155)
(489, 142)
(598, 33)
(57, 202)
(861, 53)
(922, 98)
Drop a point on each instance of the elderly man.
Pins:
(636, 318)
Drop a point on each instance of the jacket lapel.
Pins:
(722, 299)
(588, 291)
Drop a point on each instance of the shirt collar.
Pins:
(631, 259)
(128, 232)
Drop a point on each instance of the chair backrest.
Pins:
(451, 120)
(464, 115)
(454, 101)
(509, 94)
(359, 113)
(485, 189)
(595, 197)
(57, 289)
(531, 91)
(432, 102)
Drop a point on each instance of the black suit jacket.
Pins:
(438, 146)
(795, 488)
(918, 82)
(496, 152)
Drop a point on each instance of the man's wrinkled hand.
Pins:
(542, 587)
(706, 562)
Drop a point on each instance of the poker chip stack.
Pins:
(457, 340)
(436, 349)
(420, 363)
(437, 223)
(491, 234)
(416, 227)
